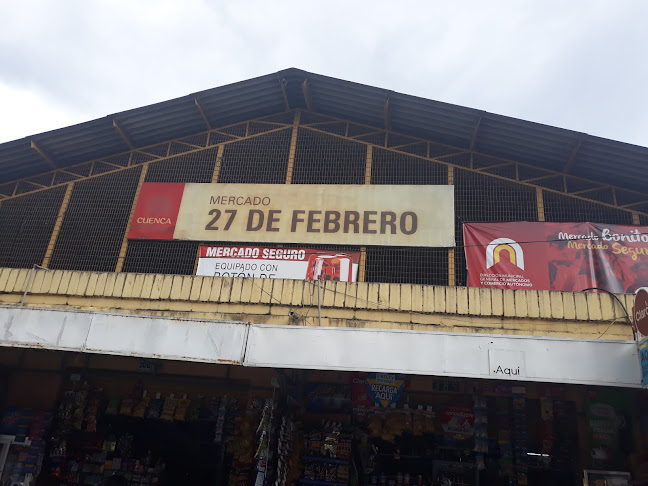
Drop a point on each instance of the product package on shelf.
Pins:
(25, 455)
(286, 460)
(327, 454)
(266, 441)
(95, 438)
(520, 439)
(481, 431)
(220, 420)
(504, 439)
(242, 445)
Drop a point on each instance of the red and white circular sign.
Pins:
(640, 311)
(458, 422)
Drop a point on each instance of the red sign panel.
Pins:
(292, 263)
(556, 256)
(156, 212)
(640, 311)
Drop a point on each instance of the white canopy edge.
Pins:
(522, 358)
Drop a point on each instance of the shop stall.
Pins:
(89, 417)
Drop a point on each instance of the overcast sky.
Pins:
(574, 64)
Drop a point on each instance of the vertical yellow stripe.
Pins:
(195, 269)
(293, 147)
(217, 165)
(540, 203)
(124, 246)
(451, 251)
(362, 267)
(57, 225)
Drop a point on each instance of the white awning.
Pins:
(125, 335)
(554, 360)
(523, 358)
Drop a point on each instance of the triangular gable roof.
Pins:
(580, 154)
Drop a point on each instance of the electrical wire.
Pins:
(634, 331)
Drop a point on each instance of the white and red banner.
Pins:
(298, 213)
(290, 263)
(556, 256)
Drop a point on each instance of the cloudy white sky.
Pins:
(575, 64)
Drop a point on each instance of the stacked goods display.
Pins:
(408, 448)
(520, 434)
(266, 444)
(288, 452)
(144, 440)
(327, 455)
(23, 431)
(242, 446)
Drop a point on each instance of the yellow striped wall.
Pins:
(295, 302)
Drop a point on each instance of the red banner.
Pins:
(156, 212)
(292, 263)
(556, 256)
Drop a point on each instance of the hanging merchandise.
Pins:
(481, 430)
(168, 409)
(504, 439)
(23, 430)
(266, 438)
(458, 422)
(520, 433)
(139, 410)
(288, 452)
(134, 444)
(180, 414)
(242, 447)
(327, 455)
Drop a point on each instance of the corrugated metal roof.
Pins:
(543, 146)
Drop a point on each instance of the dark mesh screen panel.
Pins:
(406, 265)
(258, 160)
(325, 159)
(176, 257)
(427, 266)
(481, 198)
(393, 168)
(194, 167)
(26, 224)
(560, 208)
(95, 221)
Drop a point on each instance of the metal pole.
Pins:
(29, 281)
(319, 305)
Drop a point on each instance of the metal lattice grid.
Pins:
(484, 199)
(427, 266)
(26, 224)
(324, 159)
(193, 167)
(558, 208)
(393, 168)
(258, 160)
(169, 257)
(95, 222)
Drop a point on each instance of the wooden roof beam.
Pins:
(307, 95)
(473, 138)
(282, 84)
(569, 165)
(202, 114)
(123, 135)
(387, 115)
(43, 155)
